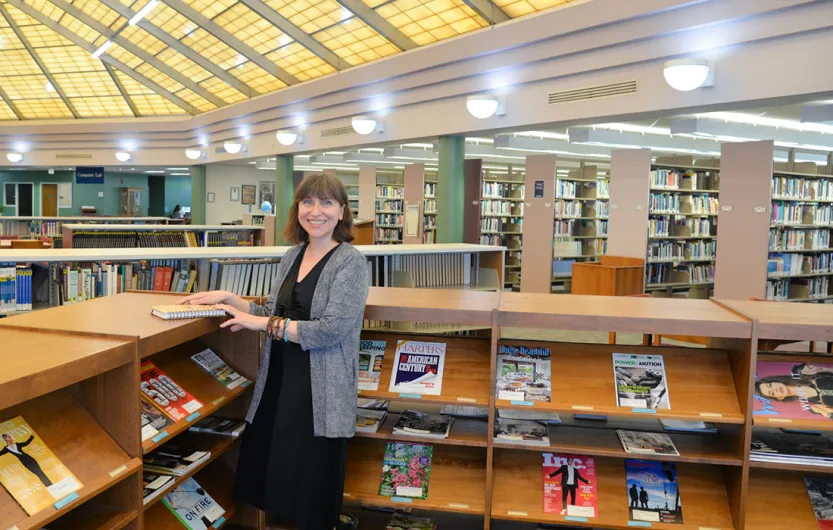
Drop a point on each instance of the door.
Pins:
(24, 200)
(49, 200)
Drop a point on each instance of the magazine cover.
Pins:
(371, 353)
(820, 491)
(410, 522)
(153, 420)
(653, 495)
(418, 368)
(211, 363)
(416, 423)
(193, 506)
(369, 420)
(406, 470)
(570, 485)
(813, 449)
(794, 390)
(648, 443)
(29, 471)
(153, 485)
(523, 373)
(521, 431)
(166, 394)
(641, 381)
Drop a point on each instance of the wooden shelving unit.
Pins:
(133, 236)
(390, 213)
(429, 211)
(267, 221)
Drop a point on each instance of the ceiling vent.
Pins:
(71, 156)
(338, 131)
(593, 92)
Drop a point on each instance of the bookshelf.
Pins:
(429, 211)
(389, 213)
(267, 221)
(39, 226)
(155, 236)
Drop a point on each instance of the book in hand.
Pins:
(171, 460)
(570, 485)
(689, 426)
(521, 432)
(371, 354)
(153, 420)
(211, 363)
(523, 373)
(171, 398)
(646, 443)
(29, 471)
(820, 491)
(153, 484)
(215, 425)
(368, 420)
(780, 447)
(177, 312)
(193, 506)
(413, 423)
(652, 491)
(406, 470)
(641, 381)
(791, 390)
(409, 522)
(418, 368)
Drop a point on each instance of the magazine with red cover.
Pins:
(570, 485)
(171, 398)
(794, 390)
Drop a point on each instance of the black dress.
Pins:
(284, 470)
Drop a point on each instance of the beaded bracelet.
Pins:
(273, 328)
(286, 330)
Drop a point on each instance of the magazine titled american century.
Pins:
(371, 354)
(641, 381)
(523, 373)
(418, 368)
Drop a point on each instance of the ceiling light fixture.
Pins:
(232, 147)
(483, 106)
(48, 86)
(14, 157)
(686, 75)
(193, 154)
(143, 12)
(366, 124)
(123, 156)
(287, 137)
(101, 49)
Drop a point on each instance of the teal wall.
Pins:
(82, 194)
(177, 191)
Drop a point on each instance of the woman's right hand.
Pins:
(208, 298)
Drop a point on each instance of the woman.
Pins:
(810, 384)
(177, 213)
(293, 452)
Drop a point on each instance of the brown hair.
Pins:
(322, 186)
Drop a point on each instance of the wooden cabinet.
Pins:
(130, 202)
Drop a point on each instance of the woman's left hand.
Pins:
(242, 320)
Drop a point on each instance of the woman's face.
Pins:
(775, 390)
(8, 439)
(319, 217)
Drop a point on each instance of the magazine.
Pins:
(696, 427)
(406, 470)
(521, 432)
(570, 485)
(372, 404)
(652, 492)
(371, 354)
(523, 373)
(410, 522)
(170, 460)
(820, 491)
(217, 367)
(418, 368)
(153, 485)
(641, 381)
(29, 471)
(369, 420)
(215, 425)
(648, 443)
(166, 394)
(412, 423)
(193, 506)
(794, 390)
(545, 416)
(808, 449)
(153, 420)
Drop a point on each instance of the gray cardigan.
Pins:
(331, 337)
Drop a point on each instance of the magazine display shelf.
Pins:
(126, 321)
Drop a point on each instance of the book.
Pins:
(176, 312)
(696, 427)
(570, 485)
(153, 419)
(523, 373)
(780, 447)
(193, 506)
(368, 420)
(211, 363)
(413, 423)
(409, 522)
(29, 471)
(153, 485)
(521, 432)
(171, 398)
(652, 491)
(418, 368)
(371, 353)
(406, 470)
(820, 491)
(647, 443)
(171, 460)
(641, 381)
(215, 425)
(793, 390)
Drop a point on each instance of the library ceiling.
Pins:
(124, 58)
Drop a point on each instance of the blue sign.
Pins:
(89, 175)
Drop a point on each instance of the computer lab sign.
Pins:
(89, 175)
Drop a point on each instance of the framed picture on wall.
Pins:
(234, 194)
(248, 196)
(210, 197)
(267, 193)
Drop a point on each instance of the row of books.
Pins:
(429, 237)
(791, 239)
(680, 273)
(668, 179)
(495, 190)
(576, 228)
(566, 248)
(565, 189)
(494, 207)
(665, 227)
(493, 224)
(664, 203)
(787, 213)
(429, 223)
(818, 214)
(85, 281)
(786, 289)
(389, 219)
(30, 228)
(388, 235)
(160, 239)
(802, 189)
(389, 206)
(491, 239)
(785, 264)
(15, 287)
(430, 206)
(430, 190)
(680, 250)
(243, 277)
(390, 192)
(226, 238)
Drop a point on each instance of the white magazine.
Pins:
(640, 381)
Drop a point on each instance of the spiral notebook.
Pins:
(174, 312)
